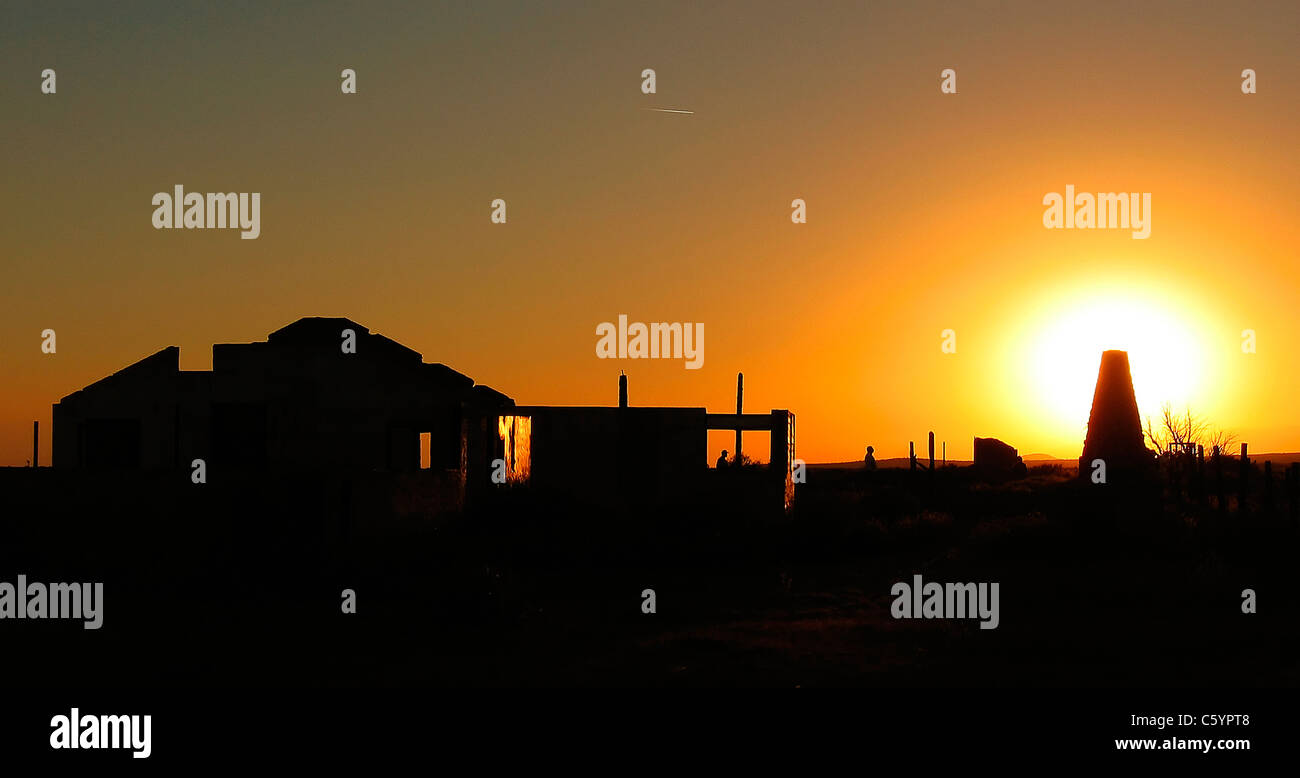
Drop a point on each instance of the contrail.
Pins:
(670, 110)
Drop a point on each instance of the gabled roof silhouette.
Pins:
(165, 360)
(315, 330)
(310, 334)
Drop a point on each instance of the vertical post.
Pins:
(1176, 475)
(1200, 474)
(945, 453)
(911, 455)
(781, 453)
(622, 389)
(1217, 461)
(1268, 488)
(36, 444)
(1294, 492)
(1242, 480)
(740, 399)
(931, 452)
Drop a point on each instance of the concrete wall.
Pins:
(146, 416)
(617, 456)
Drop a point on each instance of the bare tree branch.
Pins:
(1178, 433)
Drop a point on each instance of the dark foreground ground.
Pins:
(1098, 587)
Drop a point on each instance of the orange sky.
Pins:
(924, 210)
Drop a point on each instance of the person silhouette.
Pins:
(869, 461)
(722, 460)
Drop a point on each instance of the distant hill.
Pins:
(1278, 460)
(885, 463)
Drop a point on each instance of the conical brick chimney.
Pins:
(1114, 427)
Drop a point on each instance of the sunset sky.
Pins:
(924, 209)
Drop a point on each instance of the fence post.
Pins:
(1293, 491)
(1268, 488)
(740, 398)
(1200, 474)
(1221, 492)
(1243, 482)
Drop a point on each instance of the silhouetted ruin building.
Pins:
(1114, 426)
(294, 401)
(994, 458)
(306, 400)
(654, 455)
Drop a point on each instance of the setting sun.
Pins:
(1166, 339)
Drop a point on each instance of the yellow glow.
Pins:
(1166, 340)
(516, 434)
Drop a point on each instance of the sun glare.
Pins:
(1166, 353)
